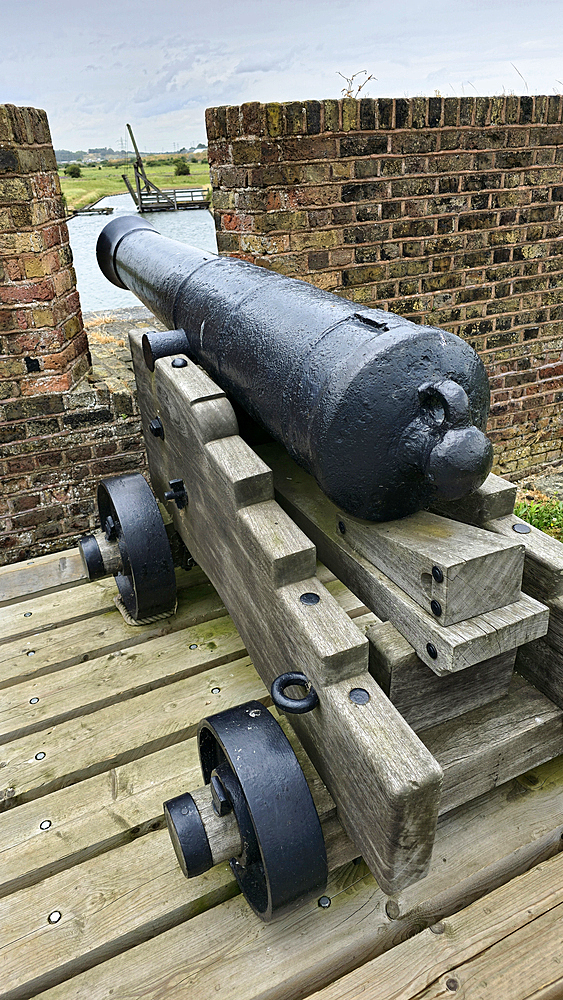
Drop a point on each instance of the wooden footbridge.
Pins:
(150, 198)
(98, 720)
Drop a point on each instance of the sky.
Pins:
(159, 63)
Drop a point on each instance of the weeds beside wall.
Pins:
(447, 211)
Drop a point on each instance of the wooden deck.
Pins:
(98, 722)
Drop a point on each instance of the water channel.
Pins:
(195, 227)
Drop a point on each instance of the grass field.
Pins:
(98, 181)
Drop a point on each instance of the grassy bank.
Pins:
(96, 181)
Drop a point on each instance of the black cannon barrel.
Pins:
(384, 413)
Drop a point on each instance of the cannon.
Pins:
(383, 413)
(356, 421)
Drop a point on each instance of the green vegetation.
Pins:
(542, 512)
(181, 168)
(95, 184)
(73, 170)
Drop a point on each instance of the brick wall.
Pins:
(447, 211)
(62, 428)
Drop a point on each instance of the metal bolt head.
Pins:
(521, 529)
(30, 652)
(324, 902)
(179, 363)
(437, 574)
(215, 690)
(33, 701)
(156, 428)
(431, 650)
(359, 696)
(193, 645)
(392, 909)
(45, 824)
(309, 598)
(436, 608)
(452, 984)
(41, 755)
(54, 917)
(342, 527)
(27, 614)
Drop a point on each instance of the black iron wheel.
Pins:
(129, 514)
(283, 862)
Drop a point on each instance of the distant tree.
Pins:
(181, 168)
(73, 170)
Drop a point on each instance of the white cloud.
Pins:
(91, 80)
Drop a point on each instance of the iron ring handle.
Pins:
(294, 706)
(453, 398)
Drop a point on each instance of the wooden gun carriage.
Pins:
(420, 710)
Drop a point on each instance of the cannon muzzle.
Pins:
(385, 414)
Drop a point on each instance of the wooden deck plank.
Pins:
(526, 961)
(53, 571)
(105, 811)
(86, 639)
(227, 951)
(81, 747)
(32, 615)
(106, 853)
(38, 614)
(126, 673)
(496, 742)
(117, 900)
(499, 946)
(105, 631)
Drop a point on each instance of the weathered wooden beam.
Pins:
(263, 566)
(494, 498)
(543, 563)
(444, 649)
(457, 569)
(422, 697)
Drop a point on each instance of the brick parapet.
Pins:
(54, 449)
(63, 425)
(43, 347)
(448, 211)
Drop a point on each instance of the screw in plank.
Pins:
(392, 909)
(309, 598)
(359, 696)
(324, 902)
(521, 529)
